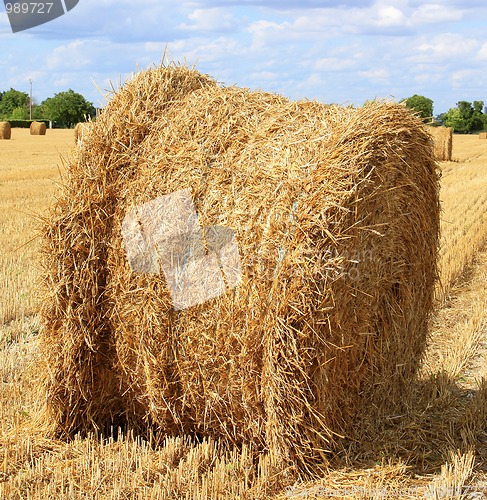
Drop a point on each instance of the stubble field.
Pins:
(437, 450)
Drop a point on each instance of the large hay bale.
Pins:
(443, 142)
(335, 213)
(38, 128)
(483, 135)
(5, 130)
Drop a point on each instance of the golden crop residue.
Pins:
(435, 451)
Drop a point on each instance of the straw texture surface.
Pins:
(335, 213)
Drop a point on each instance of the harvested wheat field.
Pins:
(433, 447)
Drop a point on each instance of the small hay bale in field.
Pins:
(443, 142)
(38, 128)
(5, 130)
(483, 135)
(333, 214)
(80, 131)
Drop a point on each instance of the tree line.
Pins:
(64, 109)
(466, 117)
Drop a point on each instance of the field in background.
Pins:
(464, 200)
(30, 169)
(435, 449)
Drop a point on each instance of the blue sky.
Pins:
(335, 51)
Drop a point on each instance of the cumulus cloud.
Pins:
(4, 24)
(482, 53)
(337, 51)
(447, 46)
(375, 74)
(334, 64)
(213, 19)
(74, 55)
(390, 16)
(435, 13)
(279, 4)
(463, 78)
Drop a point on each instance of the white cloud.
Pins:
(482, 53)
(389, 16)
(375, 74)
(265, 76)
(74, 55)
(4, 23)
(265, 32)
(337, 51)
(206, 50)
(447, 46)
(463, 77)
(433, 13)
(334, 64)
(215, 19)
(158, 47)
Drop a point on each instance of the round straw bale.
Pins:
(38, 128)
(483, 135)
(335, 215)
(443, 142)
(5, 130)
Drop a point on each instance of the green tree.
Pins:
(20, 113)
(478, 118)
(11, 100)
(38, 112)
(67, 108)
(421, 105)
(453, 118)
(466, 117)
(478, 106)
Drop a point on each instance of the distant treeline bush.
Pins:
(25, 123)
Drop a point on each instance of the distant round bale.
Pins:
(483, 135)
(5, 130)
(38, 128)
(443, 142)
(322, 319)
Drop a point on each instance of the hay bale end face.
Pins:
(335, 216)
(5, 130)
(443, 142)
(38, 128)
